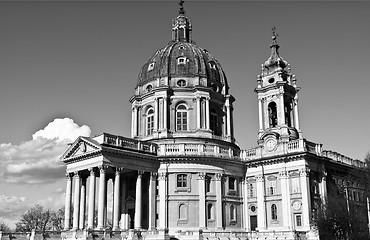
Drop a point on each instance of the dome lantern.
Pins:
(181, 26)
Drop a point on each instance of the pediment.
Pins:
(130, 199)
(80, 147)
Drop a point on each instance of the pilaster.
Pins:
(162, 181)
(219, 216)
(285, 195)
(261, 209)
(306, 198)
(202, 200)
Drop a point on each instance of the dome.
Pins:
(182, 59)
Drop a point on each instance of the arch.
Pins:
(149, 121)
(272, 110)
(181, 117)
(273, 212)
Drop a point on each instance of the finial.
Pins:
(274, 35)
(181, 11)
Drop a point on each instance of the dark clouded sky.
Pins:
(80, 60)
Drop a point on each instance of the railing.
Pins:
(193, 149)
(126, 143)
(343, 159)
(295, 146)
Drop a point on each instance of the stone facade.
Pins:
(181, 174)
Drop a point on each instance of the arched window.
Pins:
(273, 212)
(149, 121)
(272, 114)
(214, 122)
(210, 214)
(181, 118)
(182, 180)
(232, 213)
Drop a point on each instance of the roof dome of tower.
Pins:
(182, 58)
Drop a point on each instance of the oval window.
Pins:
(181, 83)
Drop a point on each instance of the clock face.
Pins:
(270, 144)
(297, 205)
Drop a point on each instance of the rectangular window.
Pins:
(181, 121)
(298, 220)
(252, 190)
(208, 184)
(232, 183)
(150, 124)
(295, 185)
(272, 187)
(182, 180)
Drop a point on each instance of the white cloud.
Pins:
(37, 161)
(62, 130)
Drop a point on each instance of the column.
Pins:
(116, 200)
(198, 112)
(156, 109)
(306, 198)
(124, 223)
(132, 122)
(260, 114)
(82, 203)
(91, 210)
(218, 178)
(228, 118)
(76, 201)
(202, 200)
(135, 121)
(165, 112)
(137, 224)
(295, 112)
(322, 185)
(162, 179)
(67, 210)
(207, 113)
(285, 196)
(281, 110)
(261, 206)
(101, 200)
(152, 200)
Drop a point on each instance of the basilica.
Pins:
(182, 175)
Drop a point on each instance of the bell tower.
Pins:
(277, 99)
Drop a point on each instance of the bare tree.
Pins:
(35, 218)
(4, 227)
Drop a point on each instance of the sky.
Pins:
(68, 68)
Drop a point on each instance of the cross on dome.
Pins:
(181, 11)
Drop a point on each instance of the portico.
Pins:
(106, 168)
